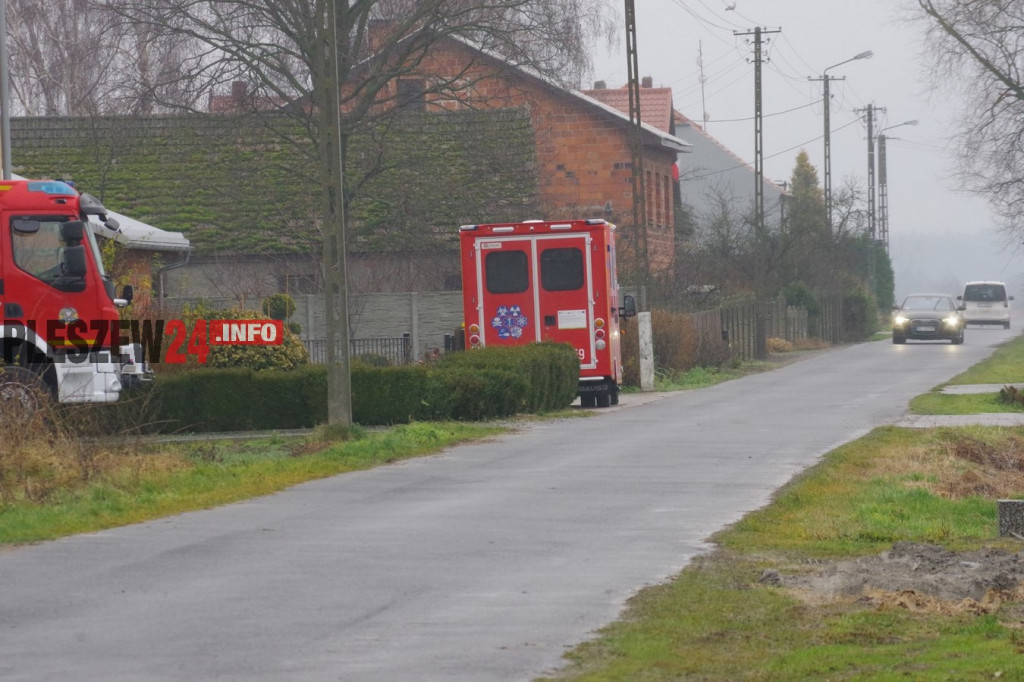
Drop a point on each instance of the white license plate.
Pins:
(926, 329)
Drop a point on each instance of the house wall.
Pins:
(247, 281)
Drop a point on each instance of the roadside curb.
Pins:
(928, 421)
(974, 389)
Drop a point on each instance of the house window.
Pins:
(667, 200)
(649, 204)
(412, 94)
(657, 200)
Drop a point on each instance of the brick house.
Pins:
(583, 146)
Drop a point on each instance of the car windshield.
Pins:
(927, 303)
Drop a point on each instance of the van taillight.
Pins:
(599, 334)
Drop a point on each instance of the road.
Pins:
(482, 563)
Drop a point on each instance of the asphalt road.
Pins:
(482, 563)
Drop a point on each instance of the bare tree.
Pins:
(978, 48)
(73, 57)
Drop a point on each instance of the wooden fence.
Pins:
(747, 325)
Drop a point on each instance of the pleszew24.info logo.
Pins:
(82, 338)
(206, 333)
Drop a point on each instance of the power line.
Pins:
(751, 118)
(778, 153)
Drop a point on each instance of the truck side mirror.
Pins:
(628, 308)
(74, 261)
(72, 232)
(127, 295)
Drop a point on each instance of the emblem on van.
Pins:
(510, 322)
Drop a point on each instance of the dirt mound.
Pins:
(914, 576)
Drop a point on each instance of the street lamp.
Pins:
(825, 79)
(883, 188)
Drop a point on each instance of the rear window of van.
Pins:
(984, 293)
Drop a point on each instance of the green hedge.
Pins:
(481, 384)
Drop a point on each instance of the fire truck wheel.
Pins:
(588, 400)
(22, 394)
(604, 399)
(615, 395)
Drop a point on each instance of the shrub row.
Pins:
(480, 384)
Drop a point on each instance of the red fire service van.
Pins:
(548, 281)
(60, 333)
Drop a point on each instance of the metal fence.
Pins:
(392, 350)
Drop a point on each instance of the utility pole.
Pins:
(703, 79)
(339, 378)
(758, 126)
(883, 195)
(883, 184)
(5, 97)
(639, 183)
(827, 165)
(872, 222)
(826, 109)
(760, 348)
(869, 112)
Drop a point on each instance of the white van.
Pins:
(986, 303)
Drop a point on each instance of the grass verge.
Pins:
(100, 486)
(1004, 366)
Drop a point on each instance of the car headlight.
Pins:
(952, 321)
(899, 320)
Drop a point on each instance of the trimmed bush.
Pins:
(483, 384)
(552, 370)
(387, 395)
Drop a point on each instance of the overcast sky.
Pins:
(939, 237)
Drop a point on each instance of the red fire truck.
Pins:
(60, 330)
(548, 281)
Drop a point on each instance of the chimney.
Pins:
(647, 82)
(600, 85)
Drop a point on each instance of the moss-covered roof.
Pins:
(235, 185)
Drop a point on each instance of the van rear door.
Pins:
(566, 304)
(506, 293)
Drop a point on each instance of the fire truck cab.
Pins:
(553, 281)
(59, 334)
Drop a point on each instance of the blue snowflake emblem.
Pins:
(510, 322)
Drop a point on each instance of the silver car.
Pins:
(928, 317)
